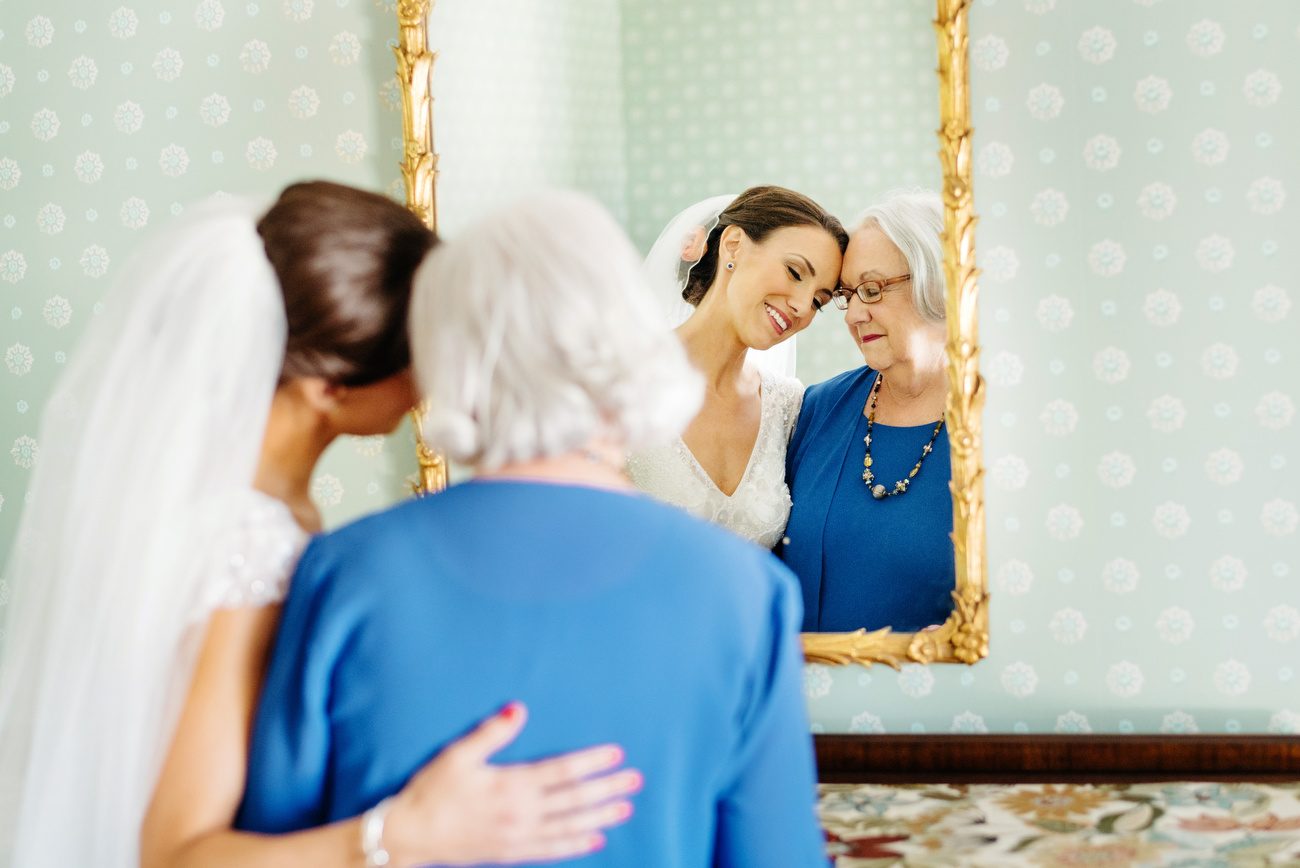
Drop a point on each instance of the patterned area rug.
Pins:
(1170, 825)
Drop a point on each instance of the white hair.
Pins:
(534, 331)
(913, 219)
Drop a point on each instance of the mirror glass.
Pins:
(656, 105)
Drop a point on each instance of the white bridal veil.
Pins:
(678, 250)
(157, 421)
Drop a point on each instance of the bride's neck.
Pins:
(296, 437)
(713, 344)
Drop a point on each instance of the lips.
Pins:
(779, 320)
(866, 339)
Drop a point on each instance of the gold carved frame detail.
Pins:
(420, 172)
(964, 637)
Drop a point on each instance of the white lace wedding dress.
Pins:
(760, 506)
(250, 564)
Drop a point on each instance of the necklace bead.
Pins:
(879, 492)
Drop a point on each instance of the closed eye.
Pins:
(793, 273)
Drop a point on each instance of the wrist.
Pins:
(374, 850)
(401, 834)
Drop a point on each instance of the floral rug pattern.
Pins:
(1169, 825)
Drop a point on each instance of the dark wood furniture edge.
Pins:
(1055, 758)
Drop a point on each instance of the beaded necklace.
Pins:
(879, 492)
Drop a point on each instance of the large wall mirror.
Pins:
(653, 106)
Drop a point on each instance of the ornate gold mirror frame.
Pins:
(964, 637)
(420, 172)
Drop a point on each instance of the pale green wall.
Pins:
(1232, 570)
(328, 57)
(527, 93)
(683, 100)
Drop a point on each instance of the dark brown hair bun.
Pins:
(345, 260)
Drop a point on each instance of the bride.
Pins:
(742, 275)
(166, 514)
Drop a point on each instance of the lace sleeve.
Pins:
(789, 395)
(252, 563)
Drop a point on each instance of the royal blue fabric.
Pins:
(864, 562)
(614, 617)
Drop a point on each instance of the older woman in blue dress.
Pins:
(546, 578)
(868, 469)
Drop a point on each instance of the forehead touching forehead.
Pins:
(812, 243)
(871, 254)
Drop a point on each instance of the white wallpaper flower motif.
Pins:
(1072, 721)
(1045, 102)
(996, 160)
(1049, 208)
(1206, 38)
(1015, 577)
(1228, 573)
(1125, 679)
(1120, 576)
(1068, 626)
(1282, 623)
(1210, 147)
(1175, 625)
(866, 722)
(1102, 153)
(1107, 258)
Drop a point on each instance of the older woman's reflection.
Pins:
(868, 465)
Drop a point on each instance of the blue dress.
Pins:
(614, 617)
(864, 562)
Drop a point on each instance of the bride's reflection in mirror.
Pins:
(742, 276)
(868, 465)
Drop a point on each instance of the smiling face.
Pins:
(771, 289)
(890, 330)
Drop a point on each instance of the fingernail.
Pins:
(614, 756)
(596, 841)
(635, 780)
(624, 810)
(512, 710)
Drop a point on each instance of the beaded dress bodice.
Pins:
(760, 506)
(252, 562)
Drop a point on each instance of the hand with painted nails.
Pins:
(461, 810)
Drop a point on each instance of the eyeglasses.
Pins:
(870, 292)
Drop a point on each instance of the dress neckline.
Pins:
(763, 416)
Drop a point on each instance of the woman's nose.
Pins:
(858, 311)
(801, 304)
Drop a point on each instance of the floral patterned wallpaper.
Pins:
(1133, 162)
(1131, 181)
(115, 117)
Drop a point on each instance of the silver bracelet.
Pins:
(372, 834)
